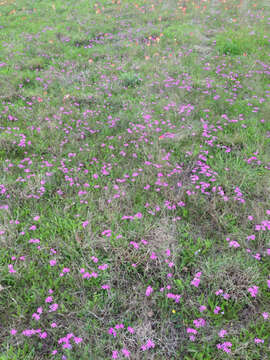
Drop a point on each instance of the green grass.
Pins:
(148, 120)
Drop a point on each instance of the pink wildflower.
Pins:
(234, 244)
(265, 315)
(111, 331)
(103, 267)
(258, 341)
(253, 291)
(148, 291)
(77, 340)
(222, 333)
(11, 269)
(85, 223)
(202, 308)
(125, 352)
(220, 291)
(130, 329)
(196, 281)
(105, 287)
(225, 346)
(199, 323)
(35, 316)
(53, 307)
(150, 344)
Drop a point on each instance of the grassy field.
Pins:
(134, 180)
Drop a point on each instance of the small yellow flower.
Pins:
(173, 311)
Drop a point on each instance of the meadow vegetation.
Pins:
(134, 179)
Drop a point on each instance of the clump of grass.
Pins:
(234, 273)
(239, 42)
(130, 79)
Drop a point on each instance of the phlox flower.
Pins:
(150, 344)
(217, 309)
(265, 315)
(222, 333)
(253, 291)
(225, 346)
(105, 287)
(125, 352)
(148, 291)
(135, 245)
(226, 296)
(119, 326)
(103, 267)
(35, 316)
(220, 291)
(258, 341)
(202, 308)
(196, 281)
(130, 329)
(111, 331)
(11, 269)
(199, 323)
(234, 244)
(77, 340)
(28, 332)
(53, 307)
(85, 223)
